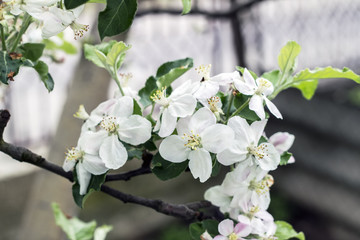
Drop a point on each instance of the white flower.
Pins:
(180, 103)
(18, 6)
(259, 89)
(209, 86)
(283, 141)
(229, 232)
(198, 135)
(214, 104)
(246, 147)
(206, 236)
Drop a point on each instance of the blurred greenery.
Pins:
(175, 232)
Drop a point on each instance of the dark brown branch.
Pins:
(184, 211)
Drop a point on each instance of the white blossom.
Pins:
(283, 141)
(198, 135)
(246, 148)
(228, 231)
(259, 90)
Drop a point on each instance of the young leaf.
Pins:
(73, 227)
(101, 232)
(242, 69)
(186, 6)
(170, 71)
(137, 109)
(285, 231)
(284, 158)
(64, 45)
(116, 55)
(198, 228)
(94, 185)
(70, 4)
(117, 17)
(166, 170)
(93, 54)
(32, 51)
(43, 71)
(145, 92)
(307, 88)
(287, 57)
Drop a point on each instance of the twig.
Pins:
(184, 211)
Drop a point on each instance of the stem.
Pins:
(3, 38)
(229, 107)
(24, 26)
(241, 108)
(117, 80)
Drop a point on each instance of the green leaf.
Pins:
(170, 71)
(273, 76)
(73, 227)
(64, 46)
(32, 51)
(147, 91)
(246, 113)
(93, 54)
(198, 228)
(284, 158)
(94, 185)
(285, 231)
(116, 55)
(288, 57)
(70, 4)
(133, 152)
(307, 88)
(166, 170)
(137, 109)
(97, 1)
(9, 67)
(43, 71)
(242, 69)
(101, 232)
(216, 166)
(186, 6)
(117, 17)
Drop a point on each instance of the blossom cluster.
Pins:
(51, 15)
(193, 127)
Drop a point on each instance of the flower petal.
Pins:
(207, 89)
(242, 230)
(256, 104)
(173, 149)
(257, 129)
(94, 164)
(68, 165)
(217, 197)
(168, 124)
(90, 142)
(243, 88)
(83, 177)
(200, 164)
(232, 155)
(282, 141)
(123, 107)
(182, 106)
(202, 119)
(226, 227)
(249, 80)
(241, 129)
(217, 137)
(272, 108)
(113, 152)
(270, 157)
(134, 130)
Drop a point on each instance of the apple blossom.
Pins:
(283, 141)
(180, 103)
(259, 89)
(246, 148)
(214, 104)
(229, 232)
(198, 135)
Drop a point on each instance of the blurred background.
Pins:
(319, 194)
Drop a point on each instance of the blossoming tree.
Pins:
(203, 124)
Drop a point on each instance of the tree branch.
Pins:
(184, 211)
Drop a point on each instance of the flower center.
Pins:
(252, 212)
(214, 105)
(79, 29)
(74, 154)
(257, 152)
(160, 97)
(263, 85)
(262, 186)
(193, 141)
(232, 236)
(125, 78)
(204, 72)
(109, 124)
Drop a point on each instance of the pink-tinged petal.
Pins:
(270, 157)
(226, 227)
(249, 80)
(68, 165)
(217, 137)
(217, 197)
(94, 164)
(83, 177)
(182, 106)
(243, 219)
(242, 230)
(257, 129)
(90, 142)
(241, 129)
(272, 108)
(200, 164)
(243, 88)
(173, 149)
(113, 152)
(134, 130)
(168, 123)
(291, 160)
(282, 141)
(235, 153)
(202, 119)
(123, 107)
(207, 89)
(256, 104)
(219, 237)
